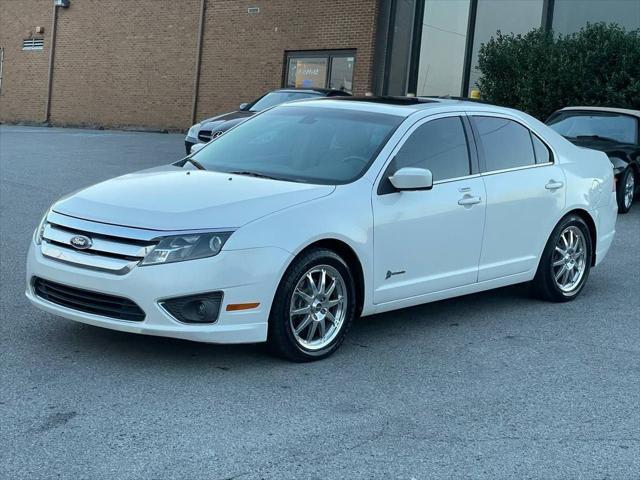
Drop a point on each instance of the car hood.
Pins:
(176, 198)
(234, 117)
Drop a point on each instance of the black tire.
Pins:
(544, 283)
(623, 207)
(281, 340)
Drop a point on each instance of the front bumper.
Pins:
(244, 276)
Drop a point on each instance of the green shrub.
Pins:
(540, 72)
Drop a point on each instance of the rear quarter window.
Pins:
(543, 155)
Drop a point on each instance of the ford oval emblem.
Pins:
(81, 242)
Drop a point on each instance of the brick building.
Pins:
(160, 63)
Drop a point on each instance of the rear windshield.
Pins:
(276, 98)
(596, 125)
(302, 144)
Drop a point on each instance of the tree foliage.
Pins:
(540, 72)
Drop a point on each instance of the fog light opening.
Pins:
(194, 309)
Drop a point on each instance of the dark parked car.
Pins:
(614, 131)
(209, 128)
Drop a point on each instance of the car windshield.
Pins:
(303, 144)
(608, 126)
(272, 99)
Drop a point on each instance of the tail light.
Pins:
(614, 183)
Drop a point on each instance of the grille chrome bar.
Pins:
(109, 251)
(87, 260)
(204, 135)
(120, 248)
(114, 249)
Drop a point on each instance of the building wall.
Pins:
(24, 74)
(246, 51)
(125, 63)
(132, 63)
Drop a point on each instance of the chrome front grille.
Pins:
(108, 253)
(204, 135)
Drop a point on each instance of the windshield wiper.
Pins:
(195, 163)
(254, 174)
(596, 137)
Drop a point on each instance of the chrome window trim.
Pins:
(515, 169)
(457, 179)
(121, 231)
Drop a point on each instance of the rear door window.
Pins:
(505, 143)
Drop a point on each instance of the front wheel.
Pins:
(313, 308)
(626, 190)
(566, 261)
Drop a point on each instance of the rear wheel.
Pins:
(626, 190)
(566, 261)
(313, 308)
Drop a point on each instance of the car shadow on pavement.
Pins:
(410, 322)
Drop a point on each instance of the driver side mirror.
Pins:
(243, 106)
(411, 178)
(196, 147)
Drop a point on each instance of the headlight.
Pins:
(186, 247)
(193, 131)
(38, 234)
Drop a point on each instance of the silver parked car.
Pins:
(205, 130)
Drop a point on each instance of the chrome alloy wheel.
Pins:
(629, 190)
(318, 307)
(569, 260)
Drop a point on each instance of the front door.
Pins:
(429, 240)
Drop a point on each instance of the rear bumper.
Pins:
(244, 276)
(606, 227)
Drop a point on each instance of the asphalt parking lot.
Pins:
(492, 385)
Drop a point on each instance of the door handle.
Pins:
(553, 185)
(469, 200)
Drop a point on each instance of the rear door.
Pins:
(525, 195)
(429, 240)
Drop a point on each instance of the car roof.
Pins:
(626, 111)
(324, 91)
(402, 106)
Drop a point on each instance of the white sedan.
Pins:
(295, 222)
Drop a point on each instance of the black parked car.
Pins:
(209, 128)
(614, 131)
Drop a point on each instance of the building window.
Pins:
(570, 16)
(442, 47)
(322, 69)
(508, 16)
(33, 44)
(399, 47)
